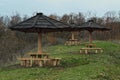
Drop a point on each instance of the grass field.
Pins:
(74, 66)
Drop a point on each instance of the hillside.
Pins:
(74, 66)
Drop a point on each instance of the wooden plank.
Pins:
(86, 50)
(91, 48)
(39, 43)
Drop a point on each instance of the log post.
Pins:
(39, 43)
(73, 35)
(90, 37)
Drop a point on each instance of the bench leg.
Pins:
(22, 63)
(27, 63)
(45, 62)
(80, 51)
(96, 51)
(86, 51)
(40, 63)
(31, 63)
(58, 62)
(101, 51)
(55, 63)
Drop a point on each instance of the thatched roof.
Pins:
(40, 23)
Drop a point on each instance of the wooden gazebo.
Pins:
(92, 26)
(40, 24)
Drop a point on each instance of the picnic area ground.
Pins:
(74, 66)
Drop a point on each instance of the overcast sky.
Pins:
(60, 7)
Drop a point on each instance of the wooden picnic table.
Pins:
(29, 62)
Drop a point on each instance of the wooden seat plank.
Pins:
(86, 50)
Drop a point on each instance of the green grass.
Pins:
(74, 66)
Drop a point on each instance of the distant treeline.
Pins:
(14, 43)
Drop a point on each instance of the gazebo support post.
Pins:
(39, 43)
(73, 35)
(90, 37)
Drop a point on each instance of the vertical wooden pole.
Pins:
(90, 37)
(39, 43)
(73, 36)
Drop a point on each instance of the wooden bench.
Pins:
(40, 62)
(26, 62)
(72, 42)
(47, 62)
(87, 50)
(54, 61)
(29, 62)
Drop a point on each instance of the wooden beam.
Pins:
(73, 36)
(39, 43)
(90, 37)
